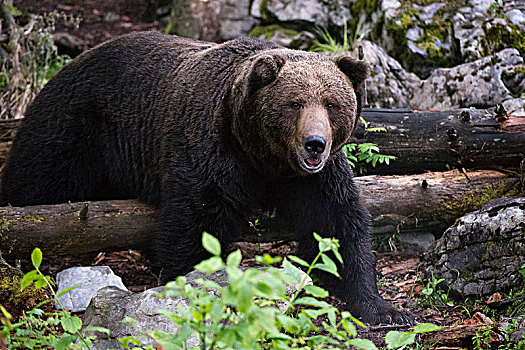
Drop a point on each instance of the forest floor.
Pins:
(401, 276)
(100, 20)
(400, 280)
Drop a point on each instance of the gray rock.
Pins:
(516, 16)
(323, 13)
(304, 10)
(478, 83)
(235, 19)
(484, 251)
(414, 33)
(255, 9)
(468, 32)
(415, 243)
(515, 106)
(389, 8)
(515, 326)
(211, 20)
(90, 280)
(413, 48)
(111, 305)
(389, 85)
(221, 278)
(482, 83)
(426, 13)
(480, 6)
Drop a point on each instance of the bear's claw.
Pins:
(384, 313)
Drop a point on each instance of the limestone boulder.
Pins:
(484, 252)
(89, 280)
(111, 305)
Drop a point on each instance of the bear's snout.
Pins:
(313, 139)
(314, 145)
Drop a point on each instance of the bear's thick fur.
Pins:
(208, 133)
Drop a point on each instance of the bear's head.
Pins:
(294, 110)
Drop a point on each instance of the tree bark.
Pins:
(421, 141)
(395, 202)
(76, 228)
(440, 141)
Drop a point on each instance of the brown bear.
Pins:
(209, 133)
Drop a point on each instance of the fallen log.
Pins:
(440, 141)
(76, 228)
(397, 203)
(421, 141)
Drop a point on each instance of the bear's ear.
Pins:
(355, 70)
(265, 69)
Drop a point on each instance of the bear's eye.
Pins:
(296, 105)
(330, 105)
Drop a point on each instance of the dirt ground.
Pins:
(100, 19)
(400, 278)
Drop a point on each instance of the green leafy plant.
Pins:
(483, 337)
(245, 313)
(496, 10)
(330, 44)
(29, 57)
(433, 295)
(366, 152)
(37, 329)
(396, 339)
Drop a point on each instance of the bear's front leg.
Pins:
(192, 205)
(328, 203)
(358, 286)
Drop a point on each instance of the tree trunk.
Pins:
(396, 203)
(440, 141)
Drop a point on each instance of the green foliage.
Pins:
(366, 152)
(330, 43)
(483, 337)
(245, 313)
(387, 242)
(474, 201)
(396, 339)
(496, 10)
(433, 295)
(29, 58)
(37, 329)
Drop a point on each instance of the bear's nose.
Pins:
(314, 145)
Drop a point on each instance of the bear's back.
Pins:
(106, 124)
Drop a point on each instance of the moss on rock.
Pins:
(11, 297)
(457, 207)
(267, 32)
(499, 36)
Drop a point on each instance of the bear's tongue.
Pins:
(313, 162)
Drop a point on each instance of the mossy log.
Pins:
(76, 228)
(395, 202)
(439, 141)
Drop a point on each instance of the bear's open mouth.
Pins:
(311, 165)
